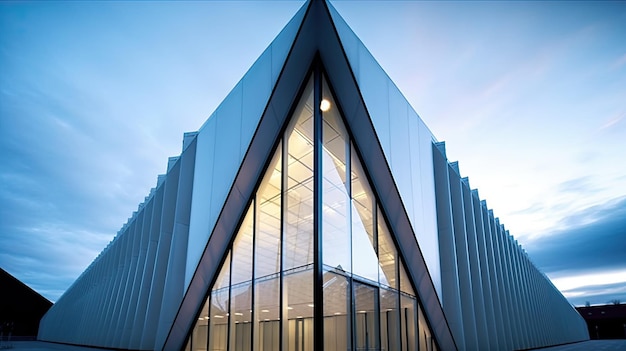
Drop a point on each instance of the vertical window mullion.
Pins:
(318, 292)
(351, 296)
(253, 280)
(208, 327)
(230, 296)
(283, 321)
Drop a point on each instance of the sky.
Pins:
(530, 98)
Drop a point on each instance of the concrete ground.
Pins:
(43, 346)
(591, 345)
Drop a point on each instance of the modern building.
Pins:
(313, 210)
(21, 308)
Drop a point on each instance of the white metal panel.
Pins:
(166, 224)
(466, 290)
(174, 280)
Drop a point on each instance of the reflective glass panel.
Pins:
(366, 310)
(298, 207)
(298, 287)
(405, 283)
(389, 320)
(267, 258)
(425, 339)
(365, 261)
(241, 286)
(408, 317)
(386, 254)
(218, 317)
(298, 228)
(200, 331)
(335, 213)
(337, 311)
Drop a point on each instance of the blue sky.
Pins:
(530, 97)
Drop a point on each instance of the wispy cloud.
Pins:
(577, 185)
(582, 289)
(588, 254)
(613, 120)
(93, 99)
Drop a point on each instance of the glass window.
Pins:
(405, 283)
(298, 299)
(366, 310)
(266, 283)
(241, 286)
(335, 217)
(408, 320)
(268, 258)
(337, 311)
(365, 261)
(298, 227)
(218, 317)
(298, 207)
(387, 253)
(389, 320)
(425, 341)
(200, 331)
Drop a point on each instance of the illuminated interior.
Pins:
(264, 294)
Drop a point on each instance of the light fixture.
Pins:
(289, 308)
(238, 314)
(311, 305)
(265, 311)
(324, 105)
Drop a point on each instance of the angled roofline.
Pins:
(316, 39)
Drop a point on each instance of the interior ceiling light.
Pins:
(324, 105)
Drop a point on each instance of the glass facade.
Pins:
(263, 298)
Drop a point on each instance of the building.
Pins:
(313, 210)
(605, 321)
(21, 308)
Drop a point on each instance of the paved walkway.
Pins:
(44, 346)
(591, 345)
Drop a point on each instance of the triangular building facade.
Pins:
(313, 210)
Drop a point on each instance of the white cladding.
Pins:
(493, 297)
(405, 140)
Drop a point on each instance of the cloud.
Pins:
(586, 259)
(614, 120)
(596, 293)
(576, 185)
(90, 112)
(592, 240)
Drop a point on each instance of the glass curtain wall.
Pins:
(263, 296)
